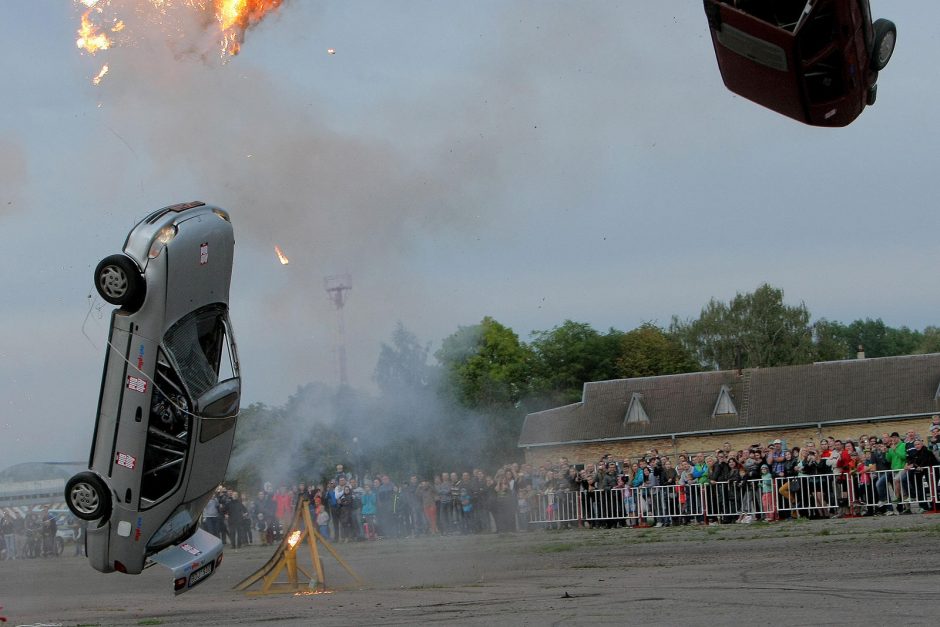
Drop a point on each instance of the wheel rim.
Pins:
(886, 48)
(113, 281)
(84, 498)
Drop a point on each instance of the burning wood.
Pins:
(294, 538)
(280, 256)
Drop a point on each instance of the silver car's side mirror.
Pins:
(221, 400)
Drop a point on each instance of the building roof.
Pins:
(824, 392)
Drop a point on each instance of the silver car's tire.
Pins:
(87, 496)
(119, 282)
(886, 35)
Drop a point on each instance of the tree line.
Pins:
(463, 404)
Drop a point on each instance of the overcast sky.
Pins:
(531, 161)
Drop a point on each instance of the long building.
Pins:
(701, 411)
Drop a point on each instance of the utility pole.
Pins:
(336, 288)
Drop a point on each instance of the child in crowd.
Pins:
(767, 494)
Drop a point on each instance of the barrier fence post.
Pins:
(934, 482)
(850, 496)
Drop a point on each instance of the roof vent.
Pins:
(636, 413)
(724, 406)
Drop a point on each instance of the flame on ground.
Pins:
(280, 256)
(294, 538)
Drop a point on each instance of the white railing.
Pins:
(825, 495)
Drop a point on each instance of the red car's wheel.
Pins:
(886, 34)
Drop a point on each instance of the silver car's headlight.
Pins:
(162, 238)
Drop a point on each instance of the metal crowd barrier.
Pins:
(840, 494)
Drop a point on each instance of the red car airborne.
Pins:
(816, 61)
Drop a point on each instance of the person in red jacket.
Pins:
(282, 505)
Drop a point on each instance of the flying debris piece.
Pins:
(97, 79)
(90, 38)
(280, 256)
(331, 50)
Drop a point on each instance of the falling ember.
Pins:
(97, 79)
(294, 538)
(331, 51)
(280, 256)
(90, 38)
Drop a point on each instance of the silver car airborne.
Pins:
(169, 397)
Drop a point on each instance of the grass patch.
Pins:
(822, 532)
(150, 621)
(557, 548)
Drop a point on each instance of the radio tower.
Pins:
(336, 288)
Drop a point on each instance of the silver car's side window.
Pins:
(168, 433)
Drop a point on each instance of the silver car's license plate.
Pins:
(200, 574)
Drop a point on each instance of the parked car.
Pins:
(816, 61)
(169, 397)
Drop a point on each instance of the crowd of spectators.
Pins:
(882, 475)
(874, 474)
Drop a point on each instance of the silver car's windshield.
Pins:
(196, 343)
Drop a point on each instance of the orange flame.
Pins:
(237, 16)
(280, 256)
(294, 538)
(90, 38)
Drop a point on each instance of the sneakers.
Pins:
(658, 524)
(747, 519)
(891, 512)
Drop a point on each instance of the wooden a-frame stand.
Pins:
(301, 530)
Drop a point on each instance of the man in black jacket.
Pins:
(919, 459)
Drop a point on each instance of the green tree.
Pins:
(648, 351)
(486, 364)
(569, 355)
(880, 340)
(752, 330)
(930, 342)
(403, 365)
(487, 370)
(831, 340)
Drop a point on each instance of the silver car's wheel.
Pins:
(886, 35)
(113, 282)
(87, 496)
(118, 281)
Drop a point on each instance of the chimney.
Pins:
(861, 352)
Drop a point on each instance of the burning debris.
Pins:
(231, 18)
(97, 79)
(280, 256)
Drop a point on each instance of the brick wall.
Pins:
(631, 449)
